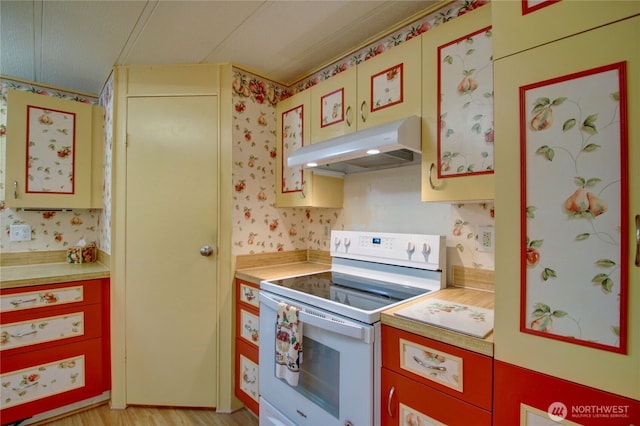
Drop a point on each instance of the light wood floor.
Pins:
(152, 416)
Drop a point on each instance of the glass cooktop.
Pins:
(347, 290)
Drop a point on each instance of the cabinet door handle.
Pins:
(364, 119)
(15, 189)
(430, 178)
(389, 399)
(638, 240)
(348, 115)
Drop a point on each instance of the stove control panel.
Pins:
(415, 250)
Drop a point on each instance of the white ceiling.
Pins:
(74, 44)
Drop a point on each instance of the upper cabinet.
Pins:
(333, 105)
(379, 90)
(568, 169)
(389, 85)
(296, 187)
(549, 20)
(457, 109)
(54, 152)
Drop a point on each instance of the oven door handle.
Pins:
(326, 322)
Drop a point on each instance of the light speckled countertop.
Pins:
(255, 275)
(50, 273)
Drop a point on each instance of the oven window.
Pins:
(319, 380)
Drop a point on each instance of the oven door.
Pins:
(336, 380)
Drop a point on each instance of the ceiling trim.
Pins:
(431, 9)
(50, 86)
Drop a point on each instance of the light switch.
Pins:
(19, 232)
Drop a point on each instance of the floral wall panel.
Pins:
(387, 88)
(258, 226)
(529, 6)
(465, 108)
(50, 150)
(466, 220)
(104, 218)
(332, 108)
(292, 140)
(50, 230)
(574, 175)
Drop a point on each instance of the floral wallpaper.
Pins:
(50, 230)
(465, 139)
(573, 268)
(258, 226)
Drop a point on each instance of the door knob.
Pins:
(206, 250)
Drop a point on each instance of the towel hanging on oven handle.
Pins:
(325, 322)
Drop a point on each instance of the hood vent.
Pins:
(398, 144)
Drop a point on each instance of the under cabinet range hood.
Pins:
(389, 145)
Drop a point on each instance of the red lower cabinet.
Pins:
(527, 397)
(247, 340)
(408, 402)
(54, 344)
(427, 382)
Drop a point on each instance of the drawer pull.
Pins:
(24, 334)
(25, 387)
(246, 379)
(249, 294)
(20, 301)
(389, 399)
(425, 365)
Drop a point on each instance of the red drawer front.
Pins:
(91, 349)
(92, 325)
(477, 370)
(254, 294)
(584, 405)
(427, 401)
(92, 292)
(239, 332)
(250, 352)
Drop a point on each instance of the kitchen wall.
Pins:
(387, 201)
(50, 230)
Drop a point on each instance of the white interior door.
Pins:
(171, 212)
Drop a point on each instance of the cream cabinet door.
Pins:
(333, 106)
(550, 20)
(49, 151)
(296, 187)
(389, 85)
(457, 113)
(558, 291)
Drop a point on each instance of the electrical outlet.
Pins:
(486, 239)
(327, 232)
(19, 232)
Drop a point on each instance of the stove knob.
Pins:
(411, 247)
(336, 241)
(426, 248)
(347, 242)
